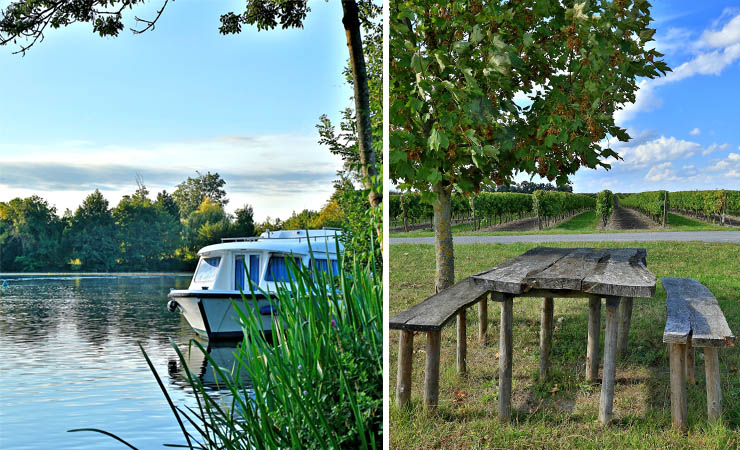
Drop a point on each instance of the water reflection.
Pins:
(71, 359)
(220, 353)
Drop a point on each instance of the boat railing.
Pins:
(257, 238)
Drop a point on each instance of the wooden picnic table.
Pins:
(616, 275)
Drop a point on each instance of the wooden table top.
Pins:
(619, 272)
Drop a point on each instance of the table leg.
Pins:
(679, 410)
(714, 388)
(610, 361)
(405, 358)
(594, 333)
(431, 372)
(625, 319)
(545, 336)
(462, 343)
(483, 320)
(504, 360)
(690, 356)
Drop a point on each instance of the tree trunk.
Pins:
(351, 22)
(445, 273)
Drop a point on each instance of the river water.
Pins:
(69, 359)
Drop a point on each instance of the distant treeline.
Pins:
(140, 233)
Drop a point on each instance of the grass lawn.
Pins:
(563, 412)
(582, 223)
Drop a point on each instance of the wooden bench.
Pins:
(431, 316)
(694, 320)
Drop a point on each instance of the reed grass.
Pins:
(316, 384)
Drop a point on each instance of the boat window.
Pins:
(277, 269)
(322, 265)
(207, 269)
(254, 268)
(254, 271)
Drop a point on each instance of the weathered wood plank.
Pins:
(436, 311)
(569, 271)
(510, 276)
(405, 359)
(691, 305)
(621, 274)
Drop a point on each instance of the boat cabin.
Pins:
(229, 266)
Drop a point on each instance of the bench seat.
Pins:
(694, 319)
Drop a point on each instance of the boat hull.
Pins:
(212, 314)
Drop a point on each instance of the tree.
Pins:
(92, 234)
(147, 233)
(30, 235)
(190, 194)
(456, 67)
(204, 226)
(300, 221)
(243, 225)
(167, 203)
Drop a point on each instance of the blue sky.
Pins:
(685, 127)
(80, 112)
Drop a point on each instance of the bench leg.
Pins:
(405, 359)
(545, 336)
(606, 402)
(594, 332)
(483, 321)
(690, 355)
(625, 319)
(462, 343)
(431, 373)
(679, 410)
(714, 389)
(504, 360)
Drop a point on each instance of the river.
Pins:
(69, 359)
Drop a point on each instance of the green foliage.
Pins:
(30, 235)
(706, 203)
(360, 238)
(456, 67)
(92, 235)
(604, 205)
(243, 225)
(191, 193)
(318, 386)
(148, 234)
(552, 203)
(651, 203)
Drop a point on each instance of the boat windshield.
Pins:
(207, 269)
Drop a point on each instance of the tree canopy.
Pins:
(458, 70)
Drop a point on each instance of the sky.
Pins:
(685, 127)
(80, 112)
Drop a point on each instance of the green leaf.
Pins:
(416, 63)
(549, 140)
(476, 35)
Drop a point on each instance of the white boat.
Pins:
(236, 262)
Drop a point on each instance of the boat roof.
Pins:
(283, 241)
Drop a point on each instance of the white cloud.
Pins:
(660, 172)
(695, 132)
(657, 150)
(716, 49)
(275, 174)
(728, 35)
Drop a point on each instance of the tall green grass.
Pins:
(316, 384)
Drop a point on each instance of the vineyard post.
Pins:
(665, 206)
(405, 217)
(472, 206)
